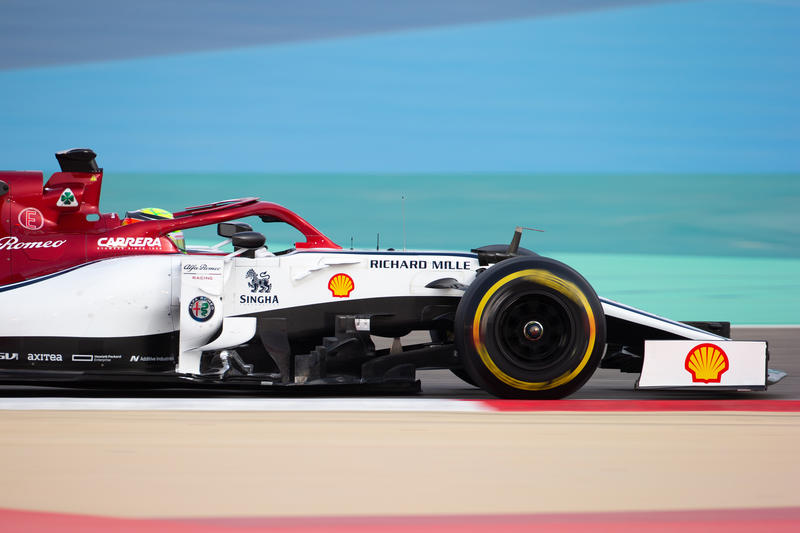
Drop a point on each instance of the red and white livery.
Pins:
(89, 301)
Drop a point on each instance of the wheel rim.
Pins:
(535, 331)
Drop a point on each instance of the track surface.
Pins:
(234, 464)
(775, 520)
(519, 467)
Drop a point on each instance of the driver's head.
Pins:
(155, 213)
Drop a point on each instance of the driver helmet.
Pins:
(156, 213)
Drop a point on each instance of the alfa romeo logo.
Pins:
(67, 198)
(201, 308)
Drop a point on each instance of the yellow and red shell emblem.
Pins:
(707, 363)
(341, 285)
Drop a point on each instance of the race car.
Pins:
(92, 300)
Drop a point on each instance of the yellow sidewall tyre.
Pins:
(530, 328)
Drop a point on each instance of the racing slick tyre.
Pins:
(530, 328)
(436, 336)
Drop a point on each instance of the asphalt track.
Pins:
(784, 352)
(611, 459)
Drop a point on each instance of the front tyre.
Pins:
(530, 328)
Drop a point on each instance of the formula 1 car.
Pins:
(91, 300)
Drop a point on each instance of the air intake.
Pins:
(77, 160)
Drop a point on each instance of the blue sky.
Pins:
(672, 87)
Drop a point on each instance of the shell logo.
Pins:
(707, 363)
(341, 285)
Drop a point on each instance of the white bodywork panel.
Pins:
(681, 364)
(202, 285)
(303, 278)
(123, 297)
(242, 286)
(144, 295)
(152, 294)
(637, 316)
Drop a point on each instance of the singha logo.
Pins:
(258, 282)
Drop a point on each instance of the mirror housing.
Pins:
(229, 229)
(249, 240)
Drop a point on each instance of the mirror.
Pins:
(249, 240)
(229, 229)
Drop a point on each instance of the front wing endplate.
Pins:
(681, 364)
